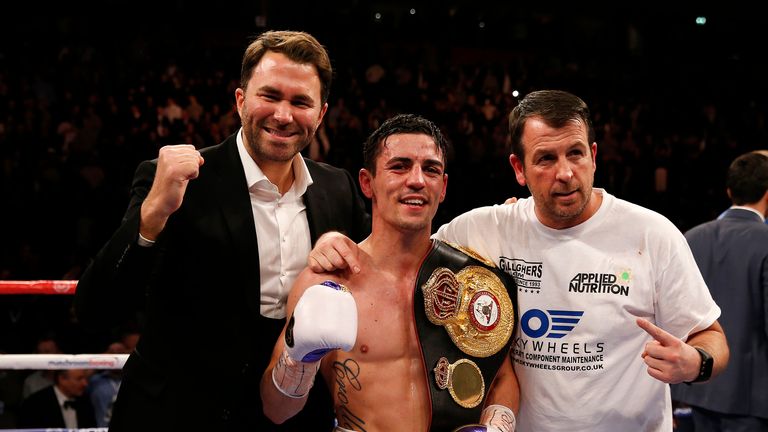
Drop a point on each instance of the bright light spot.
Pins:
(515, 93)
(377, 16)
(481, 24)
(701, 20)
(413, 11)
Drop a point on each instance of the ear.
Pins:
(517, 165)
(594, 156)
(240, 99)
(445, 187)
(764, 200)
(365, 178)
(322, 114)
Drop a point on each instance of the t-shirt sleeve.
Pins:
(683, 302)
(480, 230)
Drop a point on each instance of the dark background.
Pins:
(667, 96)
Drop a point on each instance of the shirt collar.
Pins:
(254, 174)
(762, 218)
(61, 397)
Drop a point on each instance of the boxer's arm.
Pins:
(502, 403)
(277, 406)
(321, 318)
(495, 418)
(504, 393)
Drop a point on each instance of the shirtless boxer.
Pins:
(359, 328)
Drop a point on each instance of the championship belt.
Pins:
(465, 311)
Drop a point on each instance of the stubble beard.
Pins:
(569, 213)
(413, 226)
(263, 150)
(406, 224)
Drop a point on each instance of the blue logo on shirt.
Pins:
(555, 324)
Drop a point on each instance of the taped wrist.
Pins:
(294, 378)
(498, 418)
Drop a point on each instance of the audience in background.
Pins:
(78, 116)
(41, 379)
(61, 405)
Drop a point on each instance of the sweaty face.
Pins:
(280, 109)
(559, 169)
(409, 184)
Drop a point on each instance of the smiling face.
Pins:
(559, 170)
(410, 182)
(280, 108)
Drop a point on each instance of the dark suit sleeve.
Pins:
(334, 203)
(360, 220)
(765, 296)
(115, 282)
(41, 410)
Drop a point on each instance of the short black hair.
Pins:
(748, 178)
(554, 107)
(401, 124)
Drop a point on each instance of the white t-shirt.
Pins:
(577, 347)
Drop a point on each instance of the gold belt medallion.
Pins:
(462, 379)
(473, 306)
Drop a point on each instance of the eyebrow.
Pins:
(409, 160)
(550, 150)
(274, 91)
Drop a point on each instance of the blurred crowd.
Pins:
(76, 118)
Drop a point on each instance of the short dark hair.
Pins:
(555, 107)
(401, 124)
(298, 46)
(748, 178)
(60, 373)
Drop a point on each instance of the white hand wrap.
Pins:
(292, 378)
(498, 418)
(325, 319)
(495, 418)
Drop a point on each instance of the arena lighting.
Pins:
(701, 20)
(377, 16)
(481, 24)
(515, 93)
(413, 11)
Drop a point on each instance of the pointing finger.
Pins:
(656, 332)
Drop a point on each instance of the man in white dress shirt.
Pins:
(61, 405)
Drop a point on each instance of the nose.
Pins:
(564, 173)
(283, 112)
(416, 178)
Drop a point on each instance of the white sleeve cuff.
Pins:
(144, 242)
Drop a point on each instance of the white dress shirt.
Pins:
(282, 230)
(69, 414)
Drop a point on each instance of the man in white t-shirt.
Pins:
(612, 305)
